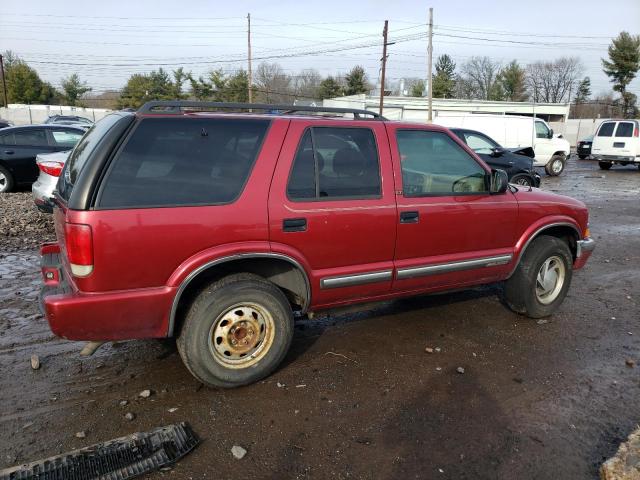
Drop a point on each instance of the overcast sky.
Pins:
(105, 42)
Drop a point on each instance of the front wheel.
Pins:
(541, 281)
(604, 165)
(6, 180)
(555, 165)
(522, 179)
(236, 332)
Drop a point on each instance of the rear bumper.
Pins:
(584, 248)
(118, 315)
(616, 158)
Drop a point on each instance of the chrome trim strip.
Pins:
(535, 234)
(239, 256)
(357, 279)
(586, 245)
(435, 269)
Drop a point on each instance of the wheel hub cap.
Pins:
(241, 335)
(557, 166)
(550, 279)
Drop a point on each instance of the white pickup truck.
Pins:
(511, 131)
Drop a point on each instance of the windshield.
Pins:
(81, 153)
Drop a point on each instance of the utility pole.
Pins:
(384, 63)
(4, 83)
(430, 74)
(249, 52)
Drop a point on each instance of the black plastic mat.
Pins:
(119, 459)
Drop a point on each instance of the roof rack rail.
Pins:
(179, 106)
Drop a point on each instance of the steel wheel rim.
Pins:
(242, 335)
(523, 181)
(3, 182)
(550, 279)
(556, 166)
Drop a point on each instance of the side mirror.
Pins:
(499, 181)
(497, 152)
(550, 133)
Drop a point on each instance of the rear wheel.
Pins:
(6, 180)
(604, 165)
(555, 165)
(522, 179)
(541, 281)
(236, 332)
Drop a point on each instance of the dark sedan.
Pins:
(518, 163)
(20, 145)
(584, 147)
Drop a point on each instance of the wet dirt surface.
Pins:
(359, 396)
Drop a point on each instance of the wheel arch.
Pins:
(283, 271)
(566, 231)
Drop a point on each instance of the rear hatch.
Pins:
(616, 140)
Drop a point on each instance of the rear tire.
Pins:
(604, 165)
(541, 281)
(555, 166)
(236, 332)
(6, 180)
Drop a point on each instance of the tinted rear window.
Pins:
(606, 129)
(183, 161)
(82, 152)
(625, 129)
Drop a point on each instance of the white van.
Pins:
(511, 131)
(616, 141)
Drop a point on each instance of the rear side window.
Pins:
(335, 163)
(625, 129)
(183, 161)
(65, 138)
(606, 129)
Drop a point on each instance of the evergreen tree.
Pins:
(622, 67)
(584, 90)
(73, 89)
(512, 80)
(444, 81)
(356, 81)
(329, 88)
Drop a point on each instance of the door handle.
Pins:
(9, 152)
(294, 225)
(409, 217)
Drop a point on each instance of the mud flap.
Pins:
(118, 459)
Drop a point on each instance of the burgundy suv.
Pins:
(179, 220)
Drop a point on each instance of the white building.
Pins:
(415, 109)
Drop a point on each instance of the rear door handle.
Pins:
(409, 217)
(294, 225)
(9, 152)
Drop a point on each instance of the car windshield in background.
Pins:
(81, 153)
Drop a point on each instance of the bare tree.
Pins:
(479, 76)
(307, 84)
(553, 82)
(272, 84)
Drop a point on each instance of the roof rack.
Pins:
(179, 106)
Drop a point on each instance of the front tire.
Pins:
(6, 180)
(522, 179)
(555, 166)
(236, 332)
(604, 165)
(541, 281)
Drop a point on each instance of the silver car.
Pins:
(50, 166)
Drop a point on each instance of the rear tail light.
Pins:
(50, 167)
(635, 132)
(79, 243)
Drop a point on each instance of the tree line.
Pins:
(478, 78)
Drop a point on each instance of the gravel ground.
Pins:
(358, 396)
(22, 225)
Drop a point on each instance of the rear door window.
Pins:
(32, 137)
(625, 129)
(606, 129)
(335, 163)
(183, 161)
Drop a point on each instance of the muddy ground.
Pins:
(361, 397)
